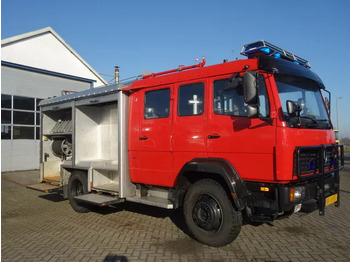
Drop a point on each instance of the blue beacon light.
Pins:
(266, 50)
(255, 49)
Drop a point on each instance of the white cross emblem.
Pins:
(195, 102)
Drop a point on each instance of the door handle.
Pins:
(213, 136)
(46, 155)
(143, 138)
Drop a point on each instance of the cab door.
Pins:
(247, 143)
(155, 161)
(190, 123)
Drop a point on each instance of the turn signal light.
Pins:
(291, 194)
(264, 189)
(296, 194)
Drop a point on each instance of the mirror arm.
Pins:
(268, 120)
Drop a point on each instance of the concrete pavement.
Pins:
(19, 178)
(41, 227)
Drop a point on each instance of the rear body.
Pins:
(254, 132)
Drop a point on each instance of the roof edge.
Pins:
(46, 72)
(20, 37)
(49, 29)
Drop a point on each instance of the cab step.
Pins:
(107, 200)
(44, 187)
(99, 200)
(152, 201)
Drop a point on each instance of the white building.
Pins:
(35, 66)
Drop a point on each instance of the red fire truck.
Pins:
(247, 140)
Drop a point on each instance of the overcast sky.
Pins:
(160, 35)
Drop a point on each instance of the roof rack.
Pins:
(180, 68)
(263, 47)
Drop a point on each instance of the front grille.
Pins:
(310, 160)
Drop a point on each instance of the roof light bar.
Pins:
(263, 47)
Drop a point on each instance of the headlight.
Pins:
(296, 194)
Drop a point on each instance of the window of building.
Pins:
(37, 119)
(191, 99)
(24, 118)
(37, 133)
(5, 116)
(25, 103)
(6, 101)
(5, 132)
(23, 132)
(157, 104)
(20, 117)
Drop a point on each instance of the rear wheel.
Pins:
(209, 214)
(77, 186)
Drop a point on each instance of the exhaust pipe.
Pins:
(116, 74)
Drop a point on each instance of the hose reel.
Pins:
(61, 147)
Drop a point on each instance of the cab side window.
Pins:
(157, 104)
(191, 99)
(230, 101)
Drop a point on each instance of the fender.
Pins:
(222, 168)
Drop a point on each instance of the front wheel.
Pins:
(77, 186)
(209, 214)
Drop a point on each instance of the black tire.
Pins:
(77, 185)
(209, 214)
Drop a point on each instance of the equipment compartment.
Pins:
(58, 122)
(57, 131)
(96, 134)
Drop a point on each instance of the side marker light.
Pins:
(233, 195)
(291, 194)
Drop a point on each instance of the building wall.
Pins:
(18, 121)
(47, 52)
(21, 82)
(19, 155)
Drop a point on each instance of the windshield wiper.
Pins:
(329, 125)
(296, 122)
(315, 122)
(309, 117)
(301, 121)
(322, 120)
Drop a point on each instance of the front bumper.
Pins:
(314, 193)
(313, 189)
(317, 169)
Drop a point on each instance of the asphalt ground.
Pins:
(43, 227)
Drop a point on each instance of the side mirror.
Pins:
(250, 88)
(292, 108)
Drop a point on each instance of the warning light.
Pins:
(263, 47)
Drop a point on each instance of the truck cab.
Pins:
(258, 125)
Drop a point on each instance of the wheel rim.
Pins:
(77, 188)
(207, 213)
(66, 148)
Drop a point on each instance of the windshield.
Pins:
(306, 94)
